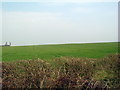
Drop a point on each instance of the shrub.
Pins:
(26, 74)
(65, 72)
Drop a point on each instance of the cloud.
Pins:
(0, 23)
(31, 17)
(34, 26)
(82, 10)
(47, 27)
(64, 24)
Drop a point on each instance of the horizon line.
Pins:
(67, 43)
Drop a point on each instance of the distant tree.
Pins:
(9, 43)
(6, 44)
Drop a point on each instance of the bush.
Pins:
(26, 74)
(65, 72)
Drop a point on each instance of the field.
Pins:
(48, 52)
(85, 66)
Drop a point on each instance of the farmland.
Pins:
(49, 52)
(85, 66)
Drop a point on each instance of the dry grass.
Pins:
(65, 72)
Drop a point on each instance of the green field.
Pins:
(61, 66)
(48, 52)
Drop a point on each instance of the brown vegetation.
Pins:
(65, 72)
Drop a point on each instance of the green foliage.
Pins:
(49, 52)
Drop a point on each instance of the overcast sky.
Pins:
(26, 23)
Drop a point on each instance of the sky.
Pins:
(119, 21)
(34, 23)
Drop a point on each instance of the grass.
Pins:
(0, 53)
(85, 66)
(49, 52)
